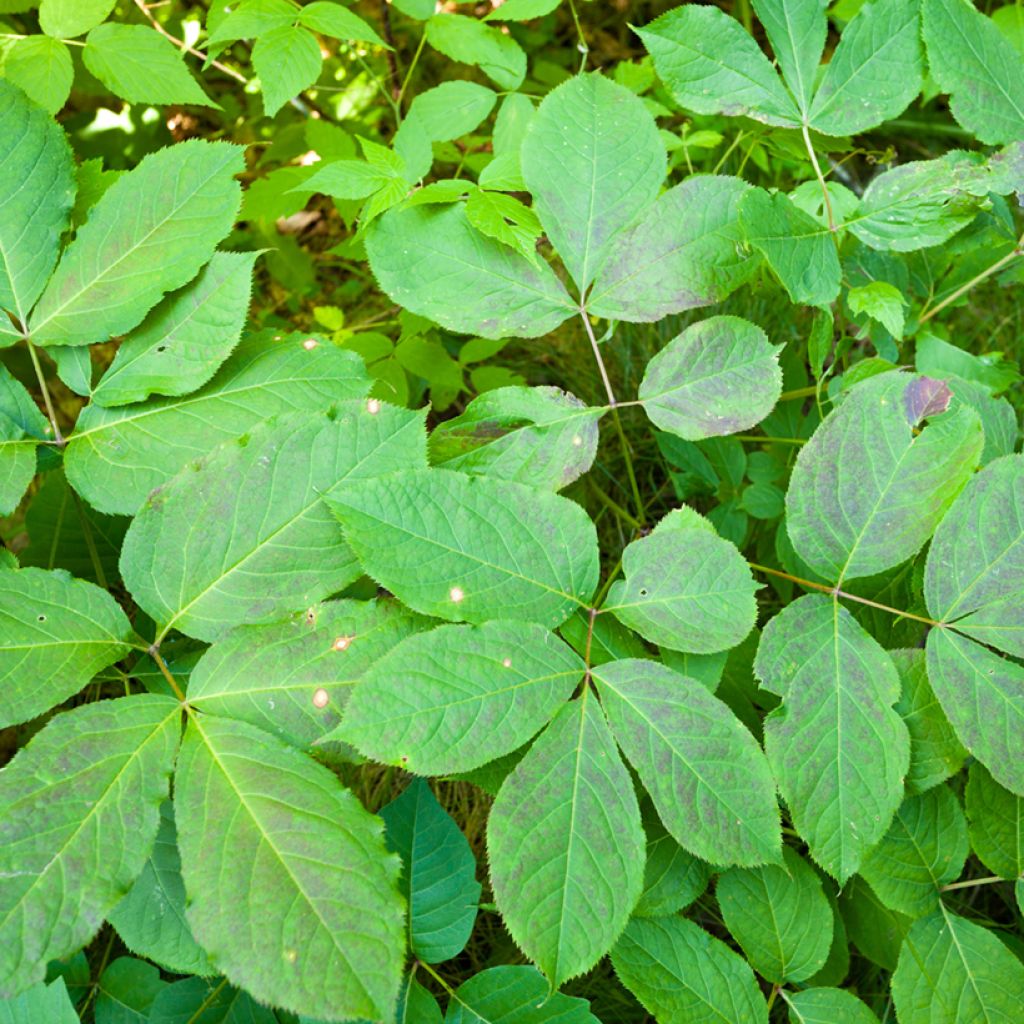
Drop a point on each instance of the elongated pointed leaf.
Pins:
(796, 30)
(924, 849)
(712, 66)
(673, 877)
(34, 153)
(952, 970)
(468, 548)
(544, 437)
(454, 698)
(56, 633)
(151, 918)
(434, 263)
(779, 916)
(438, 873)
(875, 71)
(594, 162)
(706, 774)
(183, 341)
(566, 846)
(291, 891)
(201, 568)
(293, 678)
(970, 59)
(17, 464)
(679, 972)
(685, 587)
(685, 252)
(517, 994)
(880, 481)
(837, 748)
(974, 576)
(114, 461)
(996, 823)
(185, 199)
(78, 813)
(719, 376)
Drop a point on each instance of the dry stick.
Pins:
(182, 45)
(836, 592)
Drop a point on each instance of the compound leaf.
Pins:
(796, 30)
(469, 548)
(780, 917)
(878, 480)
(438, 873)
(56, 633)
(704, 771)
(184, 199)
(566, 845)
(261, 825)
(79, 808)
(454, 698)
(719, 376)
(200, 566)
(594, 162)
(837, 748)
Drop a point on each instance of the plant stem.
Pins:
(616, 507)
(1018, 250)
(769, 439)
(94, 986)
(971, 882)
(836, 592)
(437, 977)
(90, 543)
(154, 653)
(412, 67)
(185, 48)
(58, 437)
(582, 45)
(821, 182)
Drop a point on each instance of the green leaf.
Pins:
(796, 30)
(797, 248)
(879, 480)
(983, 697)
(924, 849)
(151, 919)
(438, 873)
(506, 220)
(996, 823)
(706, 774)
(56, 633)
(434, 263)
(974, 576)
(681, 973)
(138, 64)
(50, 1003)
(565, 844)
(65, 19)
(208, 1001)
(182, 342)
(875, 71)
(451, 109)
(685, 252)
(685, 587)
(35, 152)
(114, 461)
(881, 301)
(502, 995)
(542, 436)
(79, 807)
(470, 41)
(201, 568)
(719, 376)
(331, 19)
(935, 752)
(252, 18)
(712, 66)
(350, 179)
(673, 877)
(970, 59)
(42, 67)
(293, 678)
(876, 931)
(952, 971)
(838, 750)
(17, 464)
(291, 890)
(456, 697)
(288, 60)
(469, 548)
(594, 162)
(522, 10)
(125, 991)
(780, 917)
(827, 1006)
(117, 268)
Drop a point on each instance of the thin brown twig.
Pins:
(182, 45)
